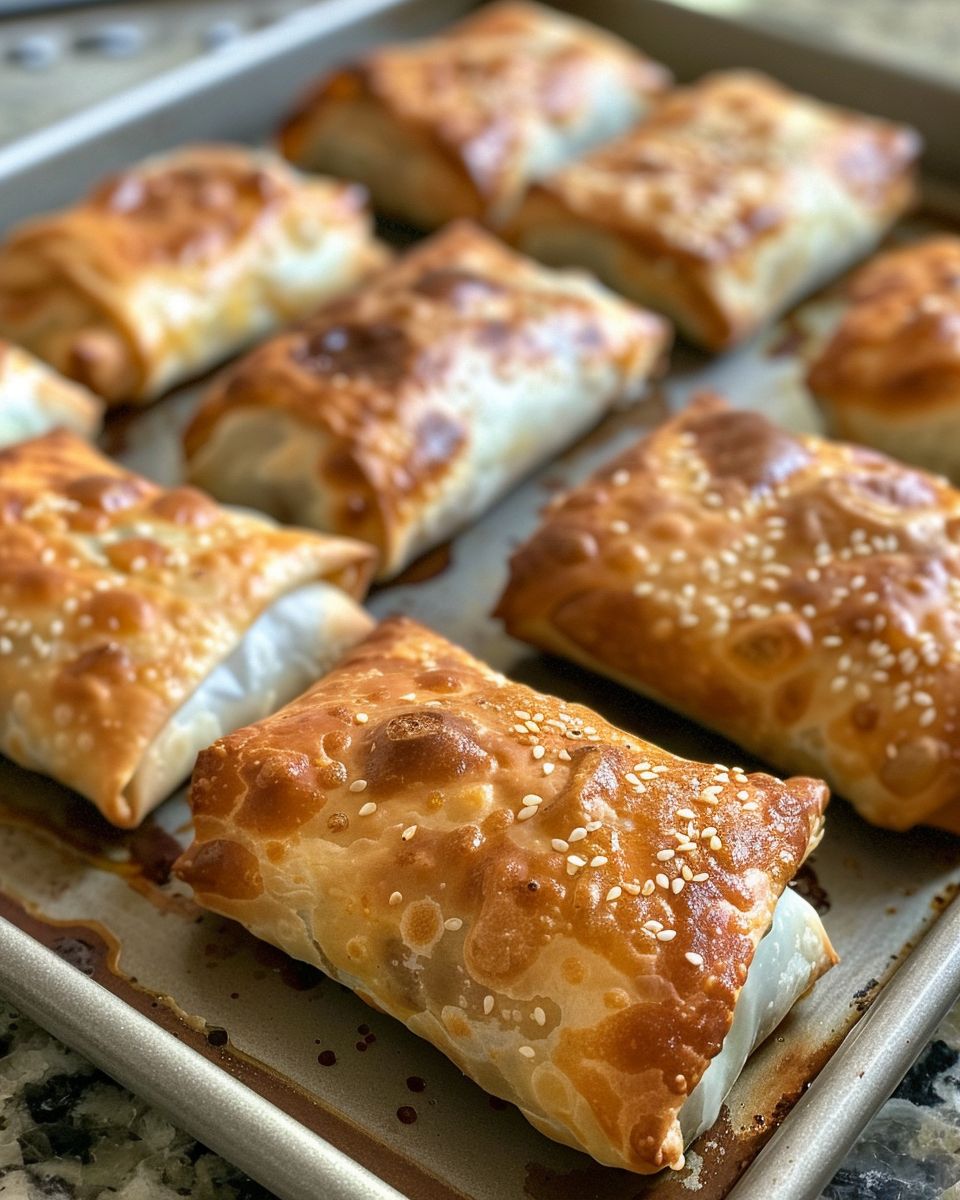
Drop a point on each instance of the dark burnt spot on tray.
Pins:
(807, 885)
(864, 997)
(77, 953)
(406, 1114)
(326, 1058)
(596, 1182)
(154, 851)
(361, 1046)
(217, 1036)
(416, 1084)
(375, 350)
(919, 1085)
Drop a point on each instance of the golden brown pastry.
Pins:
(799, 595)
(890, 374)
(458, 125)
(171, 266)
(570, 913)
(137, 623)
(732, 200)
(34, 399)
(401, 412)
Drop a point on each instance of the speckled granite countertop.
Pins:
(67, 1132)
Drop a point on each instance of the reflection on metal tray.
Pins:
(251, 1051)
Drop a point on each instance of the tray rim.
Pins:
(247, 1129)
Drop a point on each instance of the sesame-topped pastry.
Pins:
(402, 411)
(585, 924)
(169, 267)
(458, 125)
(890, 374)
(138, 624)
(35, 399)
(799, 595)
(732, 200)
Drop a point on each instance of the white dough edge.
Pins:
(290, 645)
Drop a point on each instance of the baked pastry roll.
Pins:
(731, 201)
(799, 595)
(402, 411)
(890, 374)
(587, 925)
(458, 125)
(137, 623)
(177, 263)
(34, 399)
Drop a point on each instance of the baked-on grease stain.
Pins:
(326, 1058)
(217, 1036)
(416, 1084)
(406, 1114)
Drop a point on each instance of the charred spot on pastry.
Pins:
(456, 286)
(222, 868)
(422, 747)
(282, 794)
(745, 447)
(375, 350)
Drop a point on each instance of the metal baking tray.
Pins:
(288, 1074)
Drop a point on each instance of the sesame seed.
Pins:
(701, 877)
(742, 795)
(522, 714)
(488, 1003)
(715, 843)
(358, 785)
(368, 809)
(564, 756)
(560, 845)
(577, 835)
(648, 888)
(664, 855)
(548, 768)
(752, 806)
(539, 1015)
(653, 926)
(526, 813)
(663, 881)
(532, 799)
(576, 861)
(408, 833)
(538, 752)
(615, 893)
(361, 718)
(686, 814)
(709, 832)
(599, 860)
(666, 935)
(927, 717)
(527, 1051)
(453, 924)
(686, 847)
(409, 696)
(692, 957)
(593, 826)
(686, 872)
(632, 889)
